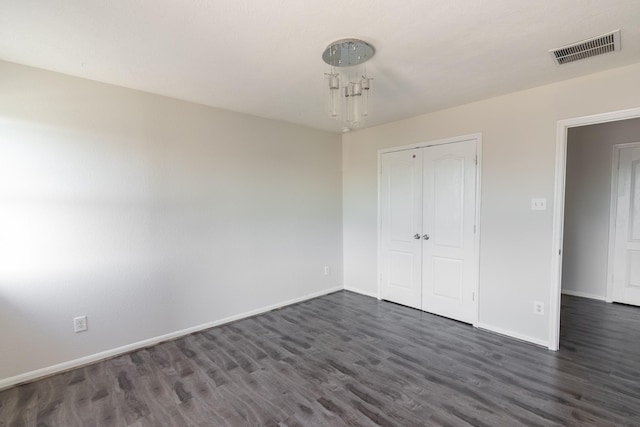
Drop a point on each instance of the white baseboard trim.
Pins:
(361, 292)
(83, 361)
(511, 334)
(583, 294)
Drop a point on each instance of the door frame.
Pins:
(477, 137)
(562, 131)
(613, 212)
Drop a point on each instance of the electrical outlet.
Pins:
(326, 270)
(538, 307)
(80, 324)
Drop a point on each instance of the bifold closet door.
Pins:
(401, 217)
(427, 229)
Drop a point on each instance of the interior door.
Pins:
(626, 271)
(401, 216)
(448, 251)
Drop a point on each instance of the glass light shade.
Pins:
(333, 97)
(365, 103)
(366, 85)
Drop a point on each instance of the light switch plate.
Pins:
(539, 204)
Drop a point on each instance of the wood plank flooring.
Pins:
(350, 360)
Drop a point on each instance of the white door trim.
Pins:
(478, 139)
(476, 136)
(613, 211)
(558, 209)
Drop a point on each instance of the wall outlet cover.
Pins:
(80, 324)
(538, 307)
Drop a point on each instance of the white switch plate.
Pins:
(538, 204)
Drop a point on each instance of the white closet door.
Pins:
(449, 278)
(626, 271)
(401, 216)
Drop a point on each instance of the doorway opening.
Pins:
(570, 213)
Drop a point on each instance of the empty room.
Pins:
(319, 213)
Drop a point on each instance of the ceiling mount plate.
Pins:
(347, 52)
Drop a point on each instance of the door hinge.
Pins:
(559, 251)
(476, 160)
(474, 229)
(473, 296)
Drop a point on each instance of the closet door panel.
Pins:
(448, 252)
(401, 218)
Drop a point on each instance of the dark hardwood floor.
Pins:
(347, 359)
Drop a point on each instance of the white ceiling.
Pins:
(263, 57)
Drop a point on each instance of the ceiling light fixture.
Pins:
(348, 85)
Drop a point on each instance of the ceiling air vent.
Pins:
(584, 49)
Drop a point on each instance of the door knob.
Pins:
(425, 237)
(416, 236)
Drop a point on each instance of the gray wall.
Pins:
(150, 215)
(519, 133)
(587, 204)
